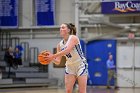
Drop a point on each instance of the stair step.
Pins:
(24, 69)
(18, 80)
(35, 74)
(26, 64)
(42, 80)
(23, 85)
(3, 63)
(1, 58)
(6, 81)
(5, 75)
(2, 53)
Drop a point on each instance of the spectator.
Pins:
(9, 58)
(18, 55)
(111, 72)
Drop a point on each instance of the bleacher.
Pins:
(30, 74)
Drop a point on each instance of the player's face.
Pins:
(63, 30)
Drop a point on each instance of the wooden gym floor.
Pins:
(62, 90)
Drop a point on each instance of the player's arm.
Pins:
(57, 60)
(72, 41)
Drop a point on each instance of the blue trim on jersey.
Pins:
(66, 72)
(79, 50)
(83, 70)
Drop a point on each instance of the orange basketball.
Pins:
(41, 57)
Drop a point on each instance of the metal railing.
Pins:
(14, 41)
(4, 40)
(33, 55)
(25, 56)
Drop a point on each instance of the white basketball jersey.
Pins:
(76, 55)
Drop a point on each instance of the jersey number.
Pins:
(68, 55)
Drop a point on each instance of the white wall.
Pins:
(25, 13)
(65, 10)
(127, 59)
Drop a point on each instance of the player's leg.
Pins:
(82, 77)
(69, 82)
(82, 83)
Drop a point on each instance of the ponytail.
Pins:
(72, 28)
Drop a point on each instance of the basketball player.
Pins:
(76, 64)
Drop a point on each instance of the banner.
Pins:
(45, 12)
(120, 7)
(8, 13)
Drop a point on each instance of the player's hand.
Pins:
(49, 57)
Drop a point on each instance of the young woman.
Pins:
(76, 65)
(9, 59)
(18, 55)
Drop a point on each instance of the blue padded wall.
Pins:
(97, 55)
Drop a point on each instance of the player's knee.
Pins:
(82, 91)
(68, 90)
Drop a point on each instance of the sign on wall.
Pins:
(45, 12)
(8, 13)
(121, 7)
